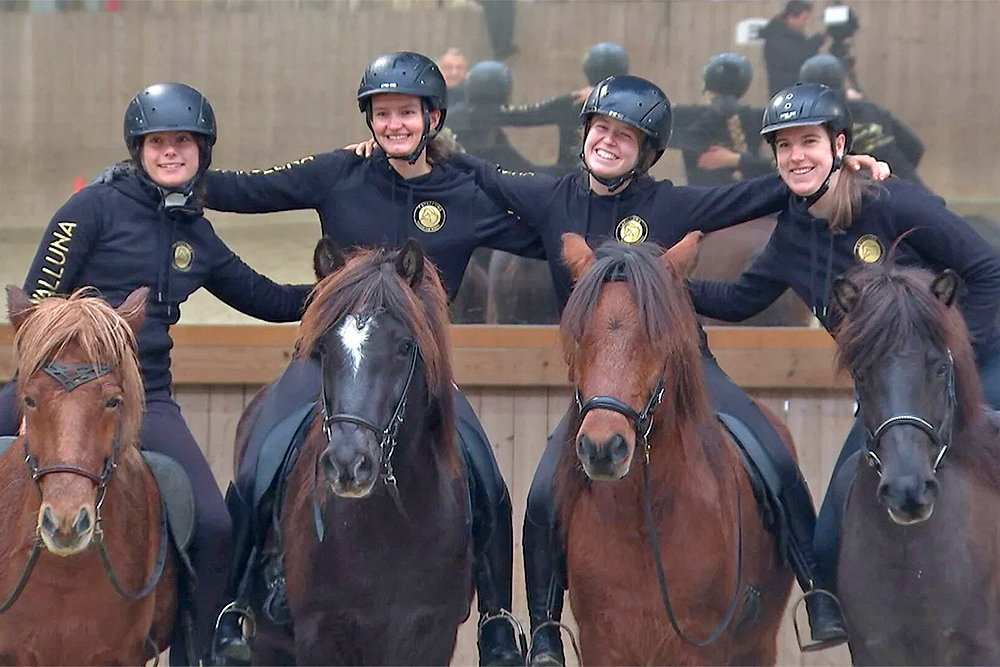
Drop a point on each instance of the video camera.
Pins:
(841, 23)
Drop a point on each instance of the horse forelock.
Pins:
(369, 282)
(896, 307)
(88, 323)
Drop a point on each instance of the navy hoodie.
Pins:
(113, 236)
(365, 202)
(803, 254)
(644, 210)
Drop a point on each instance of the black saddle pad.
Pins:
(177, 495)
(764, 478)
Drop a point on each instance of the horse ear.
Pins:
(845, 293)
(133, 308)
(945, 286)
(576, 254)
(19, 305)
(683, 255)
(327, 257)
(410, 262)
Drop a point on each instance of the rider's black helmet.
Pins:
(488, 83)
(170, 107)
(407, 73)
(808, 104)
(604, 60)
(824, 69)
(727, 74)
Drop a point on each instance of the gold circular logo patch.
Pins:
(868, 249)
(429, 216)
(183, 253)
(631, 230)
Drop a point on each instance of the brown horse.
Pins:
(630, 341)
(372, 521)
(82, 529)
(920, 544)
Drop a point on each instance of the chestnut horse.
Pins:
(920, 544)
(662, 557)
(371, 528)
(86, 574)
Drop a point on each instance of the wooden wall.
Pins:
(282, 75)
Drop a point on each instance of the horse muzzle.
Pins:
(351, 472)
(908, 499)
(607, 461)
(65, 533)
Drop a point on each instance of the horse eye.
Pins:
(406, 347)
(29, 402)
(942, 370)
(113, 402)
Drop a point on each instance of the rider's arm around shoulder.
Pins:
(67, 242)
(299, 184)
(718, 207)
(524, 193)
(748, 294)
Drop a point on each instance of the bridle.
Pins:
(642, 422)
(386, 435)
(71, 376)
(940, 436)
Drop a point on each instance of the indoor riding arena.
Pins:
(282, 77)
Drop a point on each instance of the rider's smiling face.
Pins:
(170, 158)
(804, 157)
(611, 147)
(398, 122)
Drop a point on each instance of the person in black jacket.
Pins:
(408, 189)
(601, 61)
(146, 228)
(876, 131)
(835, 220)
(723, 144)
(626, 126)
(786, 45)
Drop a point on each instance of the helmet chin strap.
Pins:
(179, 199)
(805, 202)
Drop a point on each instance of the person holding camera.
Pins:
(786, 45)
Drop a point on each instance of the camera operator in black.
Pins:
(786, 45)
(876, 131)
(601, 61)
(726, 130)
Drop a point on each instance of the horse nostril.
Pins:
(329, 468)
(364, 469)
(584, 447)
(82, 523)
(48, 522)
(617, 448)
(930, 489)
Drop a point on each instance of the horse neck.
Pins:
(20, 505)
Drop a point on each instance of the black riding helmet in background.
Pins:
(824, 69)
(603, 60)
(638, 102)
(488, 83)
(171, 107)
(810, 104)
(406, 73)
(727, 74)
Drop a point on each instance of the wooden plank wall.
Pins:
(282, 75)
(517, 422)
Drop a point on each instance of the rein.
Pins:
(941, 436)
(386, 435)
(71, 376)
(643, 424)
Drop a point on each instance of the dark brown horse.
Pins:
(630, 341)
(74, 486)
(920, 545)
(373, 535)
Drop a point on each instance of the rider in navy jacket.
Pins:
(627, 123)
(146, 229)
(820, 237)
(410, 189)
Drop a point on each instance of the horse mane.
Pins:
(368, 281)
(104, 337)
(894, 306)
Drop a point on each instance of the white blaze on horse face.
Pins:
(354, 334)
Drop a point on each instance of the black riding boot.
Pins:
(825, 622)
(544, 565)
(229, 645)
